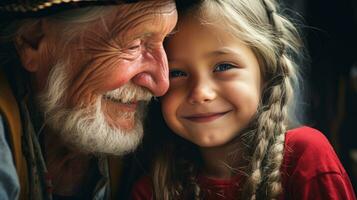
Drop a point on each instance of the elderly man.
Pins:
(76, 76)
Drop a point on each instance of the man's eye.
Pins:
(176, 73)
(223, 67)
(134, 45)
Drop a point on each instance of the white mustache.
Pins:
(129, 93)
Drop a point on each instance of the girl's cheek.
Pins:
(173, 101)
(169, 103)
(166, 105)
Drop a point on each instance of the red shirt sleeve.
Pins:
(142, 189)
(326, 186)
(311, 168)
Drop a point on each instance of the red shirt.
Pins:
(310, 170)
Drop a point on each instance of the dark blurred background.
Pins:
(329, 28)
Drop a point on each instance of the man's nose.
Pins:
(201, 92)
(154, 73)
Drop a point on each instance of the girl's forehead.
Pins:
(207, 19)
(194, 41)
(201, 25)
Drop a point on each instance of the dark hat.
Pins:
(33, 8)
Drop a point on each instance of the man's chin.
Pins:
(123, 123)
(91, 132)
(123, 116)
(113, 141)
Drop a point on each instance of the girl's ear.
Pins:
(29, 44)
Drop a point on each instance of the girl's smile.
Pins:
(205, 117)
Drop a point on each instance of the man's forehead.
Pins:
(39, 5)
(133, 15)
(142, 11)
(149, 6)
(144, 19)
(39, 8)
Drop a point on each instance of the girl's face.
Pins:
(215, 84)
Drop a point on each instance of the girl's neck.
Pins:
(217, 162)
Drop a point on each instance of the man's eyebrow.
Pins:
(121, 35)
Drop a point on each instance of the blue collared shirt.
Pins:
(9, 182)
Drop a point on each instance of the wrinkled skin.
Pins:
(127, 48)
(124, 46)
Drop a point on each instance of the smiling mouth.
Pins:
(115, 100)
(205, 117)
(128, 106)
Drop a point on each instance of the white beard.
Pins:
(86, 128)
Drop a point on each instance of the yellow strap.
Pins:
(115, 172)
(10, 111)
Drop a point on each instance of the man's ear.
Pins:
(29, 44)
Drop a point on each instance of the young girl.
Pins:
(231, 110)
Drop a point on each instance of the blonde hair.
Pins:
(275, 41)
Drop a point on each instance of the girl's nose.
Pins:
(201, 93)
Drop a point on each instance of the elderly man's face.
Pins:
(99, 79)
(126, 48)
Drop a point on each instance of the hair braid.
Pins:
(272, 186)
(273, 118)
(261, 145)
(269, 138)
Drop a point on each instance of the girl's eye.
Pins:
(176, 73)
(223, 67)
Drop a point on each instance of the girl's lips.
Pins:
(205, 117)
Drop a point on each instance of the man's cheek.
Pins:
(93, 74)
(121, 73)
(81, 96)
(91, 83)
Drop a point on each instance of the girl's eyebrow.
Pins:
(223, 51)
(217, 52)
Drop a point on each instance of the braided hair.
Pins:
(275, 41)
(273, 119)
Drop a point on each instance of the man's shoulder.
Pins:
(4, 134)
(9, 183)
(2, 131)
